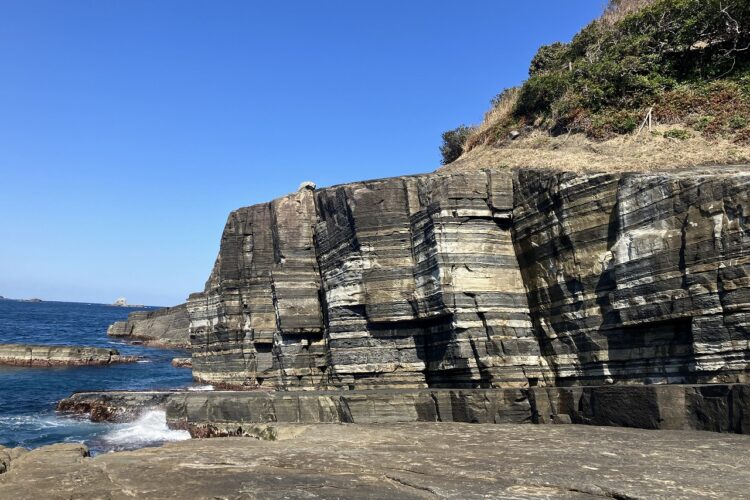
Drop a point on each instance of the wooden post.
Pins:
(647, 119)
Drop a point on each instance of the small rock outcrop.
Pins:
(53, 355)
(182, 362)
(167, 327)
(115, 406)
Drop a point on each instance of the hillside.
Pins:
(650, 84)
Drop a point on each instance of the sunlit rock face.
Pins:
(637, 278)
(493, 278)
(400, 282)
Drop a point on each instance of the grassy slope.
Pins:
(583, 104)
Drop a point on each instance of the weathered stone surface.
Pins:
(57, 355)
(166, 327)
(416, 460)
(714, 407)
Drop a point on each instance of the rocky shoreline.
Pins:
(51, 355)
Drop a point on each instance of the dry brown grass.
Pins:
(649, 151)
(501, 112)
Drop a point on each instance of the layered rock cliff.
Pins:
(167, 327)
(493, 278)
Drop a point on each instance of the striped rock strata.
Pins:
(492, 278)
(637, 278)
(400, 282)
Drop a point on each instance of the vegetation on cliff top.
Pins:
(687, 61)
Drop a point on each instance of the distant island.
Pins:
(122, 302)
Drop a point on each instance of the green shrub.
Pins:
(703, 122)
(552, 57)
(737, 122)
(677, 133)
(539, 93)
(612, 122)
(688, 59)
(630, 62)
(453, 143)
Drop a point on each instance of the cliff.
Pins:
(166, 327)
(490, 278)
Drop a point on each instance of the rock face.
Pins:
(493, 278)
(167, 327)
(52, 355)
(400, 461)
(637, 278)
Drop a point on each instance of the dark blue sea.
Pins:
(28, 395)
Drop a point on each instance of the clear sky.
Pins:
(129, 129)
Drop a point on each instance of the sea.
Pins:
(28, 395)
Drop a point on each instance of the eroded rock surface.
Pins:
(401, 461)
(166, 327)
(53, 355)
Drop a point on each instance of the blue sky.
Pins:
(130, 129)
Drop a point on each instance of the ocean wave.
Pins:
(37, 421)
(149, 428)
(201, 388)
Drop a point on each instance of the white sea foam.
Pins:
(143, 361)
(201, 388)
(150, 428)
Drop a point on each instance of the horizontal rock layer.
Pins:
(57, 355)
(167, 327)
(494, 278)
(210, 414)
(709, 407)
